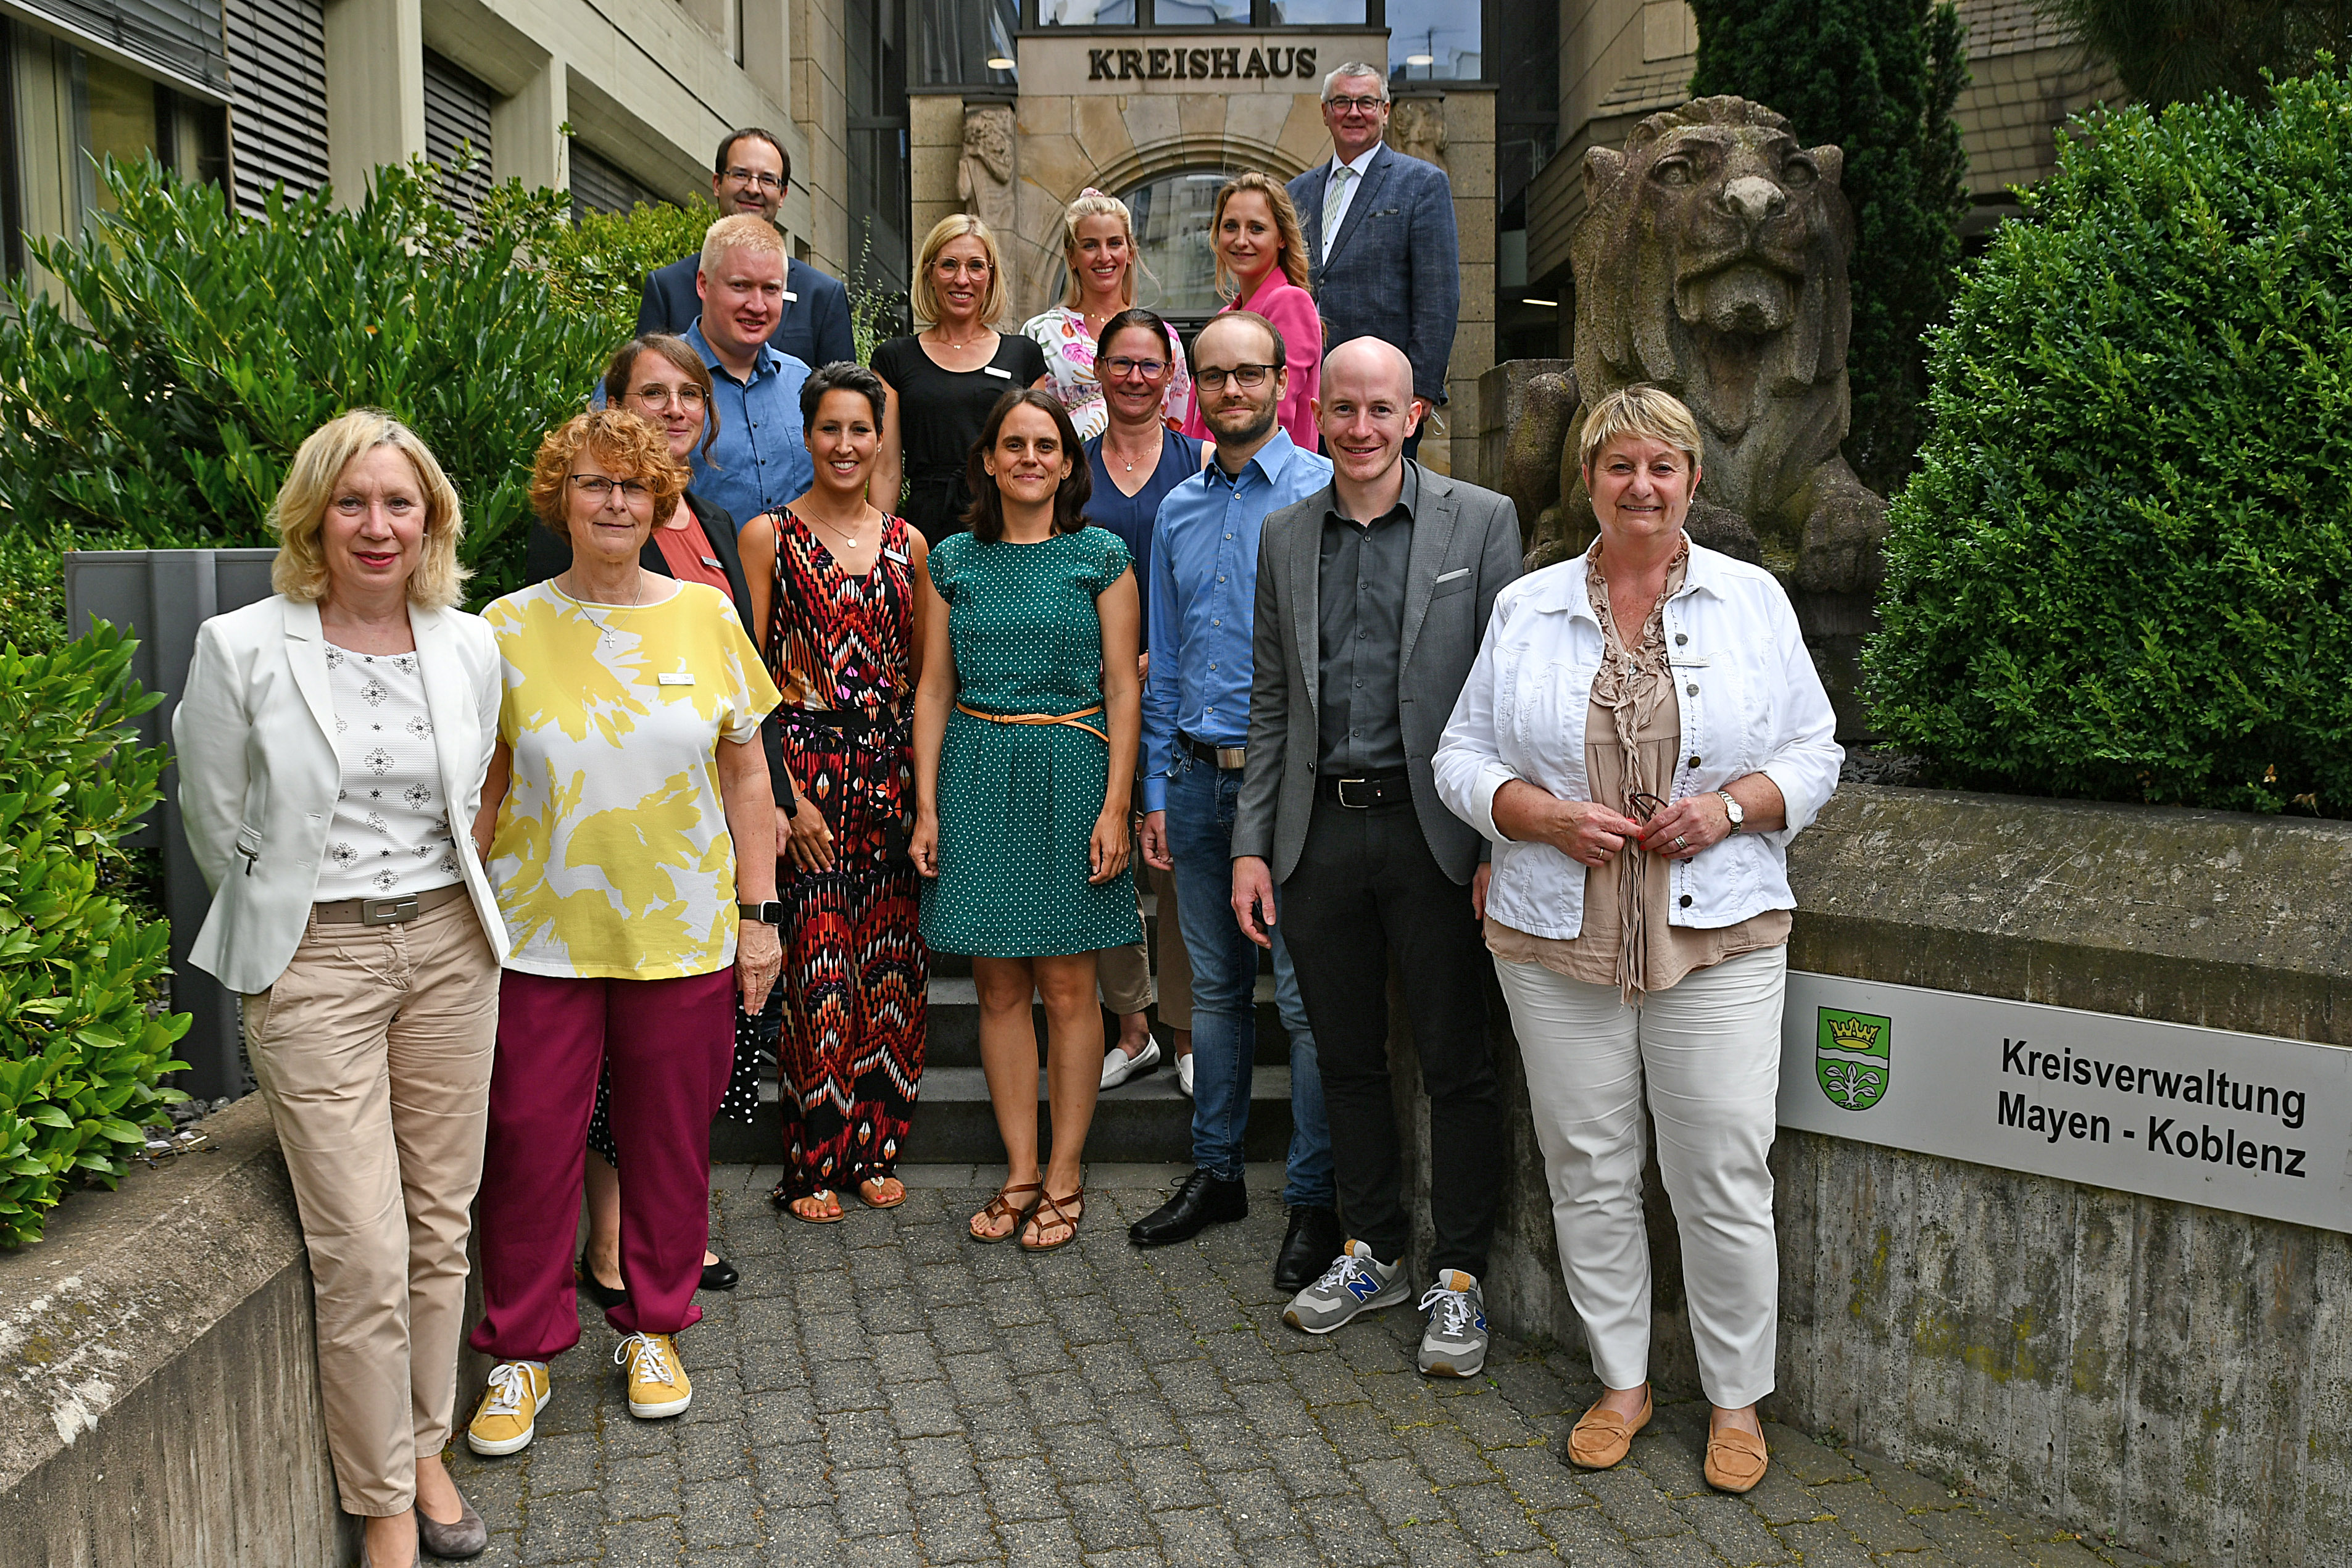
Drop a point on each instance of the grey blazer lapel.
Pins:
(1306, 597)
(1359, 205)
(1432, 534)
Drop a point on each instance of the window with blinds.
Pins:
(457, 123)
(599, 185)
(181, 36)
(277, 96)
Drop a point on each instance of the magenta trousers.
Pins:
(671, 1044)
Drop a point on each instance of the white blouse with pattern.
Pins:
(391, 832)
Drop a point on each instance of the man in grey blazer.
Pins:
(750, 174)
(1384, 258)
(1372, 597)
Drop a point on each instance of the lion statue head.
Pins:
(1712, 262)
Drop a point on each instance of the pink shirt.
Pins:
(1292, 310)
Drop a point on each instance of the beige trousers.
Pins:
(1125, 973)
(373, 1052)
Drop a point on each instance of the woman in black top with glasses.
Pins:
(944, 381)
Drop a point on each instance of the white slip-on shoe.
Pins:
(1184, 1075)
(1119, 1068)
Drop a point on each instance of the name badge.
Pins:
(791, 298)
(1001, 375)
(674, 680)
(897, 555)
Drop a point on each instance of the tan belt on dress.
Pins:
(1069, 718)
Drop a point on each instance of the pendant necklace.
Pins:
(604, 632)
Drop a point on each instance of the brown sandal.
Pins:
(1049, 1211)
(1000, 1209)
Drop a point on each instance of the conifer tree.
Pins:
(1879, 78)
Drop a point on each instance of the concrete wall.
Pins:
(159, 1375)
(2178, 1375)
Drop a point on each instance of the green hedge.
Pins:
(161, 403)
(83, 1041)
(2123, 570)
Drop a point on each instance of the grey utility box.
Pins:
(161, 596)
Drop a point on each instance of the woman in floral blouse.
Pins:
(1099, 243)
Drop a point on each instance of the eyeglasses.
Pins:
(1120, 368)
(658, 399)
(761, 178)
(600, 489)
(1644, 805)
(949, 265)
(1245, 376)
(1360, 105)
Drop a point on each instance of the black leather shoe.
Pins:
(1201, 1202)
(1314, 1239)
(603, 1295)
(720, 1276)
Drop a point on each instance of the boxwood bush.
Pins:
(2123, 570)
(84, 1042)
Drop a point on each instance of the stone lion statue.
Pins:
(1712, 262)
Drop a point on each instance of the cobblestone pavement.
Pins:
(884, 1392)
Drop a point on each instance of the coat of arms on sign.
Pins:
(1851, 1055)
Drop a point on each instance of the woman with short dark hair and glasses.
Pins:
(1026, 732)
(1134, 463)
(1641, 736)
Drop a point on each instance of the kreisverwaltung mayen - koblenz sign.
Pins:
(2248, 1123)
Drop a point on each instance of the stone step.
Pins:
(1145, 1119)
(955, 1025)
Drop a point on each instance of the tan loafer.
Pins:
(1601, 1439)
(1736, 1461)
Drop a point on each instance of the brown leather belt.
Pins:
(1069, 718)
(385, 910)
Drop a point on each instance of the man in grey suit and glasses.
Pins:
(1372, 597)
(1384, 258)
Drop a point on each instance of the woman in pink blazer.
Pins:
(1261, 263)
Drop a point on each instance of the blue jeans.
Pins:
(1200, 799)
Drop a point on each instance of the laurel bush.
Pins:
(84, 1041)
(160, 400)
(2123, 570)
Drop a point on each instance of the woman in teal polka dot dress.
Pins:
(1025, 731)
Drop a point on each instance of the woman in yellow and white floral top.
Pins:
(636, 812)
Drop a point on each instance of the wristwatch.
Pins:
(769, 914)
(1732, 806)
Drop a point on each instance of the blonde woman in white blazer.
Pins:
(332, 742)
(1641, 736)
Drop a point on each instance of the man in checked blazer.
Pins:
(1384, 258)
(1372, 595)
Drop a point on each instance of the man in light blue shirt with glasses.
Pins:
(759, 460)
(1203, 589)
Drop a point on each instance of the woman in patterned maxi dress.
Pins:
(834, 591)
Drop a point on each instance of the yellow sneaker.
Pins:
(657, 1385)
(508, 1417)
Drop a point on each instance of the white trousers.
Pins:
(1709, 1053)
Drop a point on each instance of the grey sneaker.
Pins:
(1355, 1282)
(1454, 1345)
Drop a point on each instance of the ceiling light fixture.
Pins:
(999, 63)
(1420, 59)
(1552, 303)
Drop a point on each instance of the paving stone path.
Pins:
(884, 1392)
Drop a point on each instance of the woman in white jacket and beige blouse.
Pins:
(1641, 736)
(332, 741)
